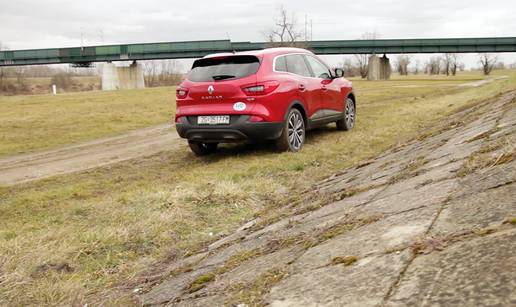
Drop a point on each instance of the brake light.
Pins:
(181, 92)
(260, 89)
(179, 119)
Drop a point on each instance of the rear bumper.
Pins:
(239, 130)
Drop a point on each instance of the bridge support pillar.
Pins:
(121, 78)
(378, 68)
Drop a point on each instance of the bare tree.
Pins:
(499, 65)
(402, 63)
(170, 72)
(455, 63)
(350, 70)
(20, 76)
(151, 73)
(433, 65)
(447, 63)
(361, 60)
(416, 68)
(162, 73)
(450, 63)
(488, 61)
(285, 32)
(62, 80)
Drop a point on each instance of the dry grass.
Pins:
(29, 123)
(491, 154)
(510, 220)
(233, 262)
(200, 282)
(251, 294)
(110, 225)
(344, 260)
(410, 170)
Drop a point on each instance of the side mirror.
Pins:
(338, 72)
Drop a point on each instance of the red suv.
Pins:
(272, 94)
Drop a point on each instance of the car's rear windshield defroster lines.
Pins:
(223, 68)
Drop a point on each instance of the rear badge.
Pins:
(239, 106)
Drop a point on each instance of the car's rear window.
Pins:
(223, 68)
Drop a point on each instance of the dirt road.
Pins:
(431, 223)
(33, 166)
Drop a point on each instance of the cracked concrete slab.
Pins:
(478, 210)
(397, 198)
(478, 272)
(487, 178)
(340, 285)
(380, 237)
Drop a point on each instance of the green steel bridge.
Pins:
(84, 56)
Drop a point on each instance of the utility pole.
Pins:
(82, 37)
(306, 27)
(311, 30)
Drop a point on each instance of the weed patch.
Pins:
(490, 155)
(344, 260)
(252, 293)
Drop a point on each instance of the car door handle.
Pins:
(302, 87)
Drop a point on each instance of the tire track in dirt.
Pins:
(33, 166)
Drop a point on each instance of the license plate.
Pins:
(213, 120)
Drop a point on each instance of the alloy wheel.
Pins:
(296, 131)
(349, 115)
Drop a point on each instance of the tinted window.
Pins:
(297, 65)
(223, 68)
(281, 64)
(319, 69)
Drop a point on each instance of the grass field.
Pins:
(83, 238)
(36, 122)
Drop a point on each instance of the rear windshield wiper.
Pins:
(222, 77)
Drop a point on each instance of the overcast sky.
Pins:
(27, 24)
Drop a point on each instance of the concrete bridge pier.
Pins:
(378, 68)
(121, 78)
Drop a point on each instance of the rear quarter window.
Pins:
(223, 68)
(296, 64)
(281, 64)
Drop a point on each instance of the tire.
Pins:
(348, 116)
(203, 149)
(293, 134)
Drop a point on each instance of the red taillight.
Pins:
(262, 88)
(179, 118)
(181, 92)
(255, 119)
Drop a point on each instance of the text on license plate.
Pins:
(213, 120)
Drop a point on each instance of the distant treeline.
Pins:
(39, 79)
